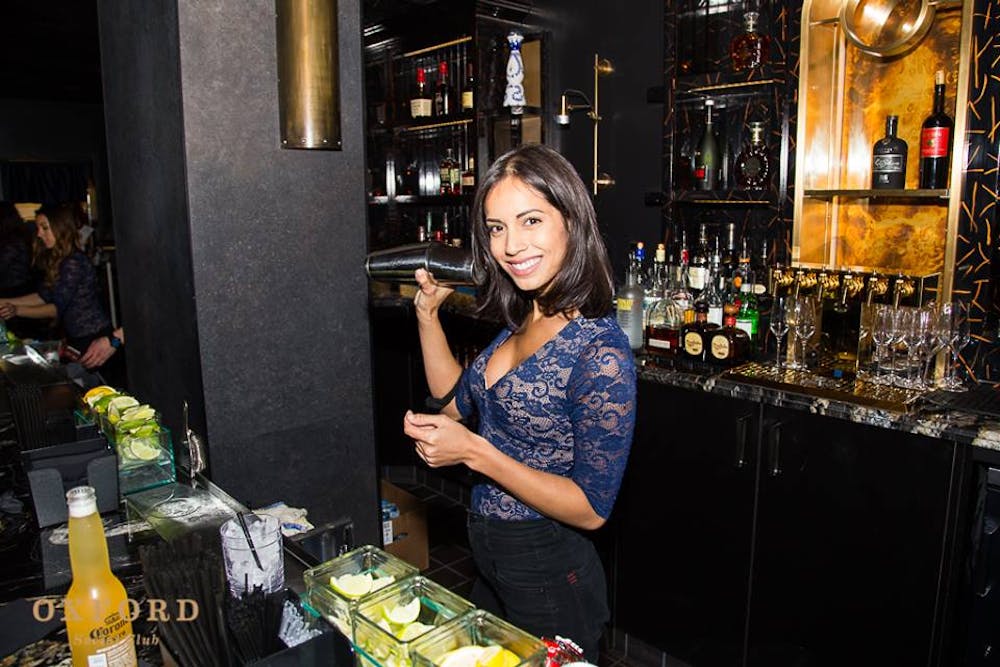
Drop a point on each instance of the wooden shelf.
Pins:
(875, 194)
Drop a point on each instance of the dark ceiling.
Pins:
(49, 50)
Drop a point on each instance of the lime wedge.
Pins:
(118, 404)
(405, 613)
(413, 630)
(464, 656)
(352, 585)
(144, 449)
(138, 413)
(101, 404)
(382, 582)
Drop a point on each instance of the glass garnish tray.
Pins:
(821, 384)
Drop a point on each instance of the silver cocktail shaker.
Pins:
(448, 264)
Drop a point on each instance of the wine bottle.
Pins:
(935, 141)
(421, 105)
(706, 159)
(889, 158)
(442, 94)
(469, 89)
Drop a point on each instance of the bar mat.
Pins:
(981, 400)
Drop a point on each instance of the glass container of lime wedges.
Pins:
(387, 624)
(335, 588)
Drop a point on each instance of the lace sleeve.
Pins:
(602, 391)
(72, 274)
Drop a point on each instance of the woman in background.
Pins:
(68, 289)
(15, 253)
(554, 394)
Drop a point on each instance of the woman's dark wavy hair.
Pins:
(62, 222)
(584, 282)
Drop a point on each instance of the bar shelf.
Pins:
(853, 193)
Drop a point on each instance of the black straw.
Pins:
(246, 532)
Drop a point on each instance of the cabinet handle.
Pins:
(774, 449)
(741, 441)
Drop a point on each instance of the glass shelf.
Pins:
(876, 194)
(422, 200)
(723, 197)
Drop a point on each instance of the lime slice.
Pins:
(144, 449)
(464, 656)
(352, 585)
(118, 404)
(405, 613)
(382, 582)
(101, 404)
(413, 630)
(146, 429)
(138, 413)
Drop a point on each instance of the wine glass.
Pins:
(805, 323)
(778, 326)
(881, 336)
(791, 325)
(958, 337)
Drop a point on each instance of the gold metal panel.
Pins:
(308, 77)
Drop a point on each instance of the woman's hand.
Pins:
(97, 353)
(430, 295)
(440, 440)
(7, 310)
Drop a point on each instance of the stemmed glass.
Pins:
(881, 336)
(805, 323)
(791, 325)
(956, 317)
(778, 326)
(900, 323)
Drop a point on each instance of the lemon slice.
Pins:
(464, 656)
(97, 392)
(352, 585)
(404, 613)
(382, 582)
(143, 449)
(118, 404)
(413, 630)
(498, 656)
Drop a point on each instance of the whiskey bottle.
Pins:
(753, 164)
(729, 345)
(706, 158)
(664, 320)
(442, 94)
(421, 105)
(935, 141)
(749, 49)
(694, 334)
(889, 158)
(469, 89)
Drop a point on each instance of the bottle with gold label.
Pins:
(694, 335)
(728, 345)
(98, 619)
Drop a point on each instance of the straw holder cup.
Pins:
(448, 264)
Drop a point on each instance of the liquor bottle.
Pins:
(728, 344)
(748, 317)
(469, 89)
(694, 334)
(706, 157)
(698, 268)
(712, 295)
(664, 320)
(468, 179)
(421, 105)
(442, 94)
(753, 164)
(935, 141)
(444, 171)
(889, 158)
(749, 49)
(730, 259)
(455, 175)
(98, 618)
(656, 282)
(628, 305)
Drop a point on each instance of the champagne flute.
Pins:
(805, 321)
(958, 338)
(778, 326)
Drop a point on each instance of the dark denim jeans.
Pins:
(541, 576)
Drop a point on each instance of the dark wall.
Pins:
(629, 146)
(254, 303)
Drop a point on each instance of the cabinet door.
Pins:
(851, 531)
(684, 519)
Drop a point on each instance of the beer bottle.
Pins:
(98, 622)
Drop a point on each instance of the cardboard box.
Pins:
(405, 536)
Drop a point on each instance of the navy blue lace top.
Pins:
(77, 299)
(568, 409)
